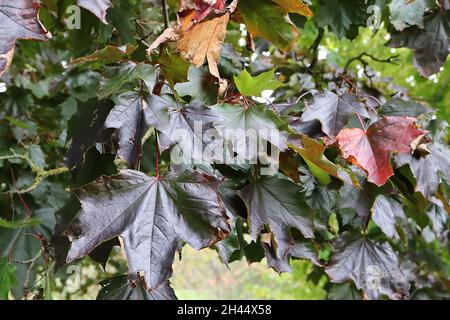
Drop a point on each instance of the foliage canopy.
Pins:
(133, 123)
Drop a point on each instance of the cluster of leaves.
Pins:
(362, 182)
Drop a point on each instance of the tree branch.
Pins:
(41, 173)
(360, 58)
(315, 47)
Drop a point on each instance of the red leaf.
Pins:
(194, 11)
(371, 149)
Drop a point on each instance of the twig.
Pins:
(273, 106)
(165, 13)
(32, 263)
(21, 199)
(363, 126)
(41, 173)
(302, 96)
(360, 58)
(315, 47)
(156, 155)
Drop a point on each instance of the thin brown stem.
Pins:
(21, 199)
(165, 13)
(156, 155)
(363, 125)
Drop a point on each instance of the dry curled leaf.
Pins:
(204, 41)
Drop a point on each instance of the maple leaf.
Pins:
(295, 6)
(107, 55)
(153, 216)
(204, 42)
(198, 36)
(19, 20)
(254, 86)
(333, 111)
(279, 204)
(97, 7)
(312, 151)
(357, 199)
(270, 21)
(201, 86)
(123, 288)
(388, 214)
(399, 107)
(174, 68)
(373, 267)
(184, 126)
(130, 118)
(407, 13)
(85, 128)
(438, 216)
(7, 278)
(434, 38)
(301, 249)
(341, 15)
(371, 149)
(236, 119)
(426, 169)
(195, 11)
(125, 73)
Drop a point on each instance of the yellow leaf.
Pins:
(295, 6)
(204, 41)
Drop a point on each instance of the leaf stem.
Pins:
(21, 199)
(156, 154)
(363, 125)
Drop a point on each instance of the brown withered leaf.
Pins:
(200, 32)
(204, 42)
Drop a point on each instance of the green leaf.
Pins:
(7, 278)
(341, 15)
(201, 86)
(37, 155)
(399, 107)
(254, 86)
(407, 13)
(312, 151)
(269, 21)
(108, 54)
(173, 67)
(236, 119)
(344, 291)
(125, 74)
